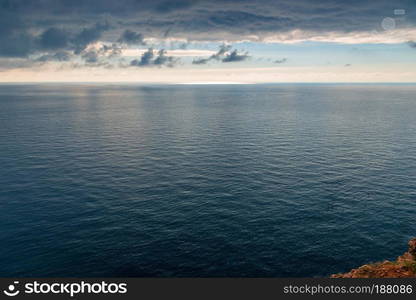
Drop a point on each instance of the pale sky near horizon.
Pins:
(220, 41)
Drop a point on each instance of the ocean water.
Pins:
(205, 181)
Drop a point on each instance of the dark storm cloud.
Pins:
(206, 17)
(19, 40)
(131, 37)
(234, 19)
(154, 58)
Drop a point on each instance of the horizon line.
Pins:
(201, 83)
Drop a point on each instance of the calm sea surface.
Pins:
(218, 180)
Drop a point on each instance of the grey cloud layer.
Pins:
(50, 27)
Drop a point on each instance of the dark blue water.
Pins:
(246, 180)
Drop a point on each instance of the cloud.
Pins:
(16, 44)
(58, 56)
(18, 38)
(15, 40)
(131, 37)
(94, 54)
(394, 36)
(217, 56)
(145, 60)
(90, 57)
(89, 35)
(260, 19)
(29, 29)
(201, 61)
(223, 49)
(15, 63)
(280, 61)
(154, 58)
(131, 52)
(223, 55)
(213, 20)
(53, 38)
(173, 5)
(163, 59)
(112, 50)
(234, 56)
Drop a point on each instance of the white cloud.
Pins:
(401, 35)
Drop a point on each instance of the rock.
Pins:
(412, 248)
(404, 266)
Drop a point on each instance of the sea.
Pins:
(266, 180)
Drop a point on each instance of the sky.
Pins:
(216, 41)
